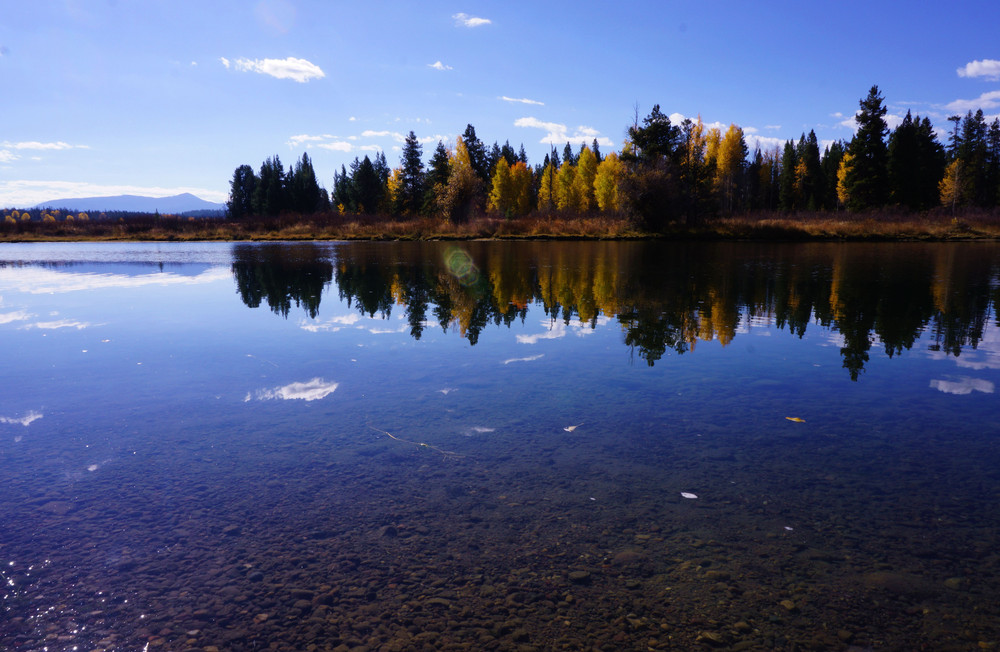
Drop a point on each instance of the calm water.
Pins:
(499, 446)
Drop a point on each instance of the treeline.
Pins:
(665, 173)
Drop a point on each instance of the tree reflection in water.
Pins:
(665, 296)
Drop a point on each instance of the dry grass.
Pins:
(935, 225)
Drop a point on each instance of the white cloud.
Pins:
(530, 358)
(676, 118)
(298, 70)
(395, 135)
(963, 385)
(225, 62)
(20, 315)
(25, 420)
(557, 133)
(332, 325)
(765, 143)
(61, 323)
(773, 127)
(311, 390)
(370, 148)
(35, 145)
(8, 156)
(295, 141)
(986, 101)
(24, 193)
(987, 68)
(437, 65)
(352, 119)
(337, 146)
(521, 100)
(465, 20)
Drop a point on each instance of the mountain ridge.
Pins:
(174, 204)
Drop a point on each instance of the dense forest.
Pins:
(665, 174)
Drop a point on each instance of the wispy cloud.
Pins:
(25, 420)
(20, 315)
(337, 146)
(465, 20)
(987, 68)
(60, 323)
(437, 65)
(395, 135)
(521, 100)
(963, 385)
(986, 101)
(530, 358)
(557, 134)
(35, 145)
(311, 390)
(298, 70)
(331, 325)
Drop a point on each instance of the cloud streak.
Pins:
(311, 390)
(521, 100)
(465, 20)
(437, 65)
(298, 70)
(25, 420)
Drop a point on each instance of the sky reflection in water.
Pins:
(168, 409)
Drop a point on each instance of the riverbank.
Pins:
(761, 226)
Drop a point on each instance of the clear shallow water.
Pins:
(431, 446)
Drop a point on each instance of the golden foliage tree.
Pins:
(502, 194)
(586, 172)
(843, 188)
(567, 193)
(609, 172)
(546, 186)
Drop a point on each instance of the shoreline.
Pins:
(817, 227)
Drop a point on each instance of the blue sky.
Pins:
(105, 97)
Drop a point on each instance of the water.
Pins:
(492, 446)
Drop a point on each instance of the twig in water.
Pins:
(415, 443)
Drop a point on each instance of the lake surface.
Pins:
(499, 446)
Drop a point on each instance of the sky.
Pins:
(151, 97)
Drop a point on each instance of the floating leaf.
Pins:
(796, 419)
(572, 428)
(688, 495)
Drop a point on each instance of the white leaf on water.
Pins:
(686, 494)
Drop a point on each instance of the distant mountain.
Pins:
(175, 205)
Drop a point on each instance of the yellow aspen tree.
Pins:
(25, 217)
(948, 186)
(459, 195)
(731, 157)
(9, 219)
(586, 172)
(712, 141)
(521, 184)
(567, 197)
(843, 190)
(546, 194)
(501, 195)
(606, 183)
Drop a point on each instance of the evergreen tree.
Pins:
(787, 201)
(972, 153)
(522, 155)
(270, 196)
(304, 194)
(568, 156)
(477, 153)
(596, 149)
(868, 176)
(830, 165)
(411, 186)
(242, 189)
(437, 177)
(915, 164)
(811, 177)
(343, 191)
(368, 187)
